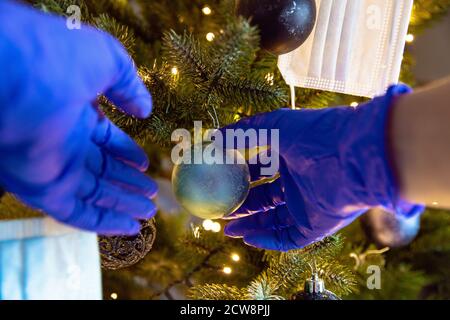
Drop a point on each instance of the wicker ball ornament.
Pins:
(122, 252)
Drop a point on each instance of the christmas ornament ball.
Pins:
(325, 295)
(121, 252)
(284, 24)
(212, 190)
(388, 230)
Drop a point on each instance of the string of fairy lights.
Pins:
(213, 226)
(210, 36)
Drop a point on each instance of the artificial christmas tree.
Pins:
(202, 63)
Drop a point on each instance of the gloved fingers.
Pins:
(101, 65)
(279, 239)
(261, 199)
(103, 194)
(101, 220)
(408, 210)
(104, 166)
(277, 218)
(108, 136)
(127, 92)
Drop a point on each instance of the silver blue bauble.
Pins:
(388, 230)
(211, 191)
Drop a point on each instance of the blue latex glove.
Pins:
(57, 153)
(333, 166)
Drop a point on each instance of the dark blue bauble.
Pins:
(388, 230)
(284, 24)
(326, 295)
(211, 191)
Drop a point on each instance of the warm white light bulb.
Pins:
(208, 224)
(206, 10)
(227, 270)
(409, 38)
(354, 104)
(235, 257)
(270, 78)
(114, 296)
(216, 227)
(174, 71)
(210, 36)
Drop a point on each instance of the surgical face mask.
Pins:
(41, 259)
(355, 48)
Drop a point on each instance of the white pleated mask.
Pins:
(355, 48)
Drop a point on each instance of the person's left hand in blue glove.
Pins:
(57, 153)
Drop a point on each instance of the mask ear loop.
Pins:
(292, 97)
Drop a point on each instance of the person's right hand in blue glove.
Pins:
(333, 165)
(57, 153)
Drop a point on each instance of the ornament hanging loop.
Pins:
(360, 259)
(262, 181)
(215, 118)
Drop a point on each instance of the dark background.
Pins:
(432, 52)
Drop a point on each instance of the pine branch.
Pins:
(426, 12)
(326, 249)
(60, 6)
(264, 64)
(263, 288)
(234, 50)
(125, 13)
(338, 277)
(288, 271)
(185, 279)
(159, 127)
(186, 54)
(252, 93)
(216, 292)
(121, 32)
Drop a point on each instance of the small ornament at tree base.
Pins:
(315, 290)
(284, 24)
(389, 230)
(123, 252)
(211, 187)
